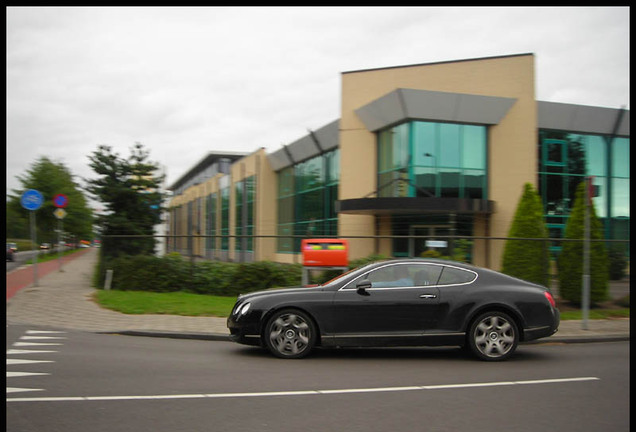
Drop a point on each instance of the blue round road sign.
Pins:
(31, 199)
(60, 200)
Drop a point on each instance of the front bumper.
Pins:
(244, 329)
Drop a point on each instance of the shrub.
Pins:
(172, 273)
(263, 275)
(150, 273)
(528, 259)
(432, 253)
(617, 264)
(213, 278)
(570, 260)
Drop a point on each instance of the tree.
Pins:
(528, 259)
(129, 190)
(570, 260)
(50, 179)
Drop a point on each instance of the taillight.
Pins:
(550, 298)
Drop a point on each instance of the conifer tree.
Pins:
(130, 191)
(570, 261)
(528, 259)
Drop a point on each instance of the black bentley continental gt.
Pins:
(412, 302)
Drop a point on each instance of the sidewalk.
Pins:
(63, 300)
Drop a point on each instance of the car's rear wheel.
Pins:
(290, 334)
(493, 336)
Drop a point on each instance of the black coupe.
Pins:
(412, 302)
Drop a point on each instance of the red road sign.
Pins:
(60, 200)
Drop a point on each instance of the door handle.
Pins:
(428, 296)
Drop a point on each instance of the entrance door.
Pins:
(431, 242)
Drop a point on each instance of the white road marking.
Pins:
(24, 361)
(45, 332)
(40, 337)
(23, 344)
(34, 335)
(16, 390)
(303, 392)
(24, 374)
(14, 351)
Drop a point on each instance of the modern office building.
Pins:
(437, 149)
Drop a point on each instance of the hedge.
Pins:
(172, 273)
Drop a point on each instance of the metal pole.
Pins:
(59, 246)
(35, 251)
(586, 257)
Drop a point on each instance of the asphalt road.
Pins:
(112, 382)
(19, 258)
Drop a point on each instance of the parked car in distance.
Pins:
(13, 246)
(10, 252)
(412, 302)
(45, 246)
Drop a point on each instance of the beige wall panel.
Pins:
(512, 143)
(288, 258)
(266, 209)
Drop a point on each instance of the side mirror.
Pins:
(363, 286)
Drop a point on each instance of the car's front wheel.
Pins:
(290, 334)
(493, 336)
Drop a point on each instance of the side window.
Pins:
(393, 276)
(452, 275)
(426, 274)
(404, 275)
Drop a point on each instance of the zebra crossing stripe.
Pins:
(19, 352)
(24, 374)
(24, 361)
(40, 337)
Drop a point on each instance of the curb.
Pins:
(226, 338)
(171, 335)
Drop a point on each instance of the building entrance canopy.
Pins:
(427, 205)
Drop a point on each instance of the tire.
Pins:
(290, 334)
(493, 336)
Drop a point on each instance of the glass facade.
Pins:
(425, 159)
(244, 202)
(422, 159)
(225, 218)
(307, 193)
(565, 159)
(210, 221)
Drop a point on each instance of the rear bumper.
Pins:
(534, 333)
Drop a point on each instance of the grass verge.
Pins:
(595, 314)
(186, 304)
(174, 303)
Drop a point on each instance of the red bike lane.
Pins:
(23, 277)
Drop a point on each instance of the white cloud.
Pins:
(185, 81)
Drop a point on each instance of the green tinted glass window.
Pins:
(620, 197)
(307, 192)
(620, 157)
(595, 156)
(225, 218)
(433, 160)
(473, 147)
(425, 143)
(449, 145)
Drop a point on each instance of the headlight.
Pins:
(243, 310)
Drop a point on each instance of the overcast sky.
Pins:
(187, 81)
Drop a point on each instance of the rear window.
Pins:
(454, 275)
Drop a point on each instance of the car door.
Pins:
(399, 301)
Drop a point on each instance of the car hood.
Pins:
(277, 292)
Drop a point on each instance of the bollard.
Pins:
(109, 279)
